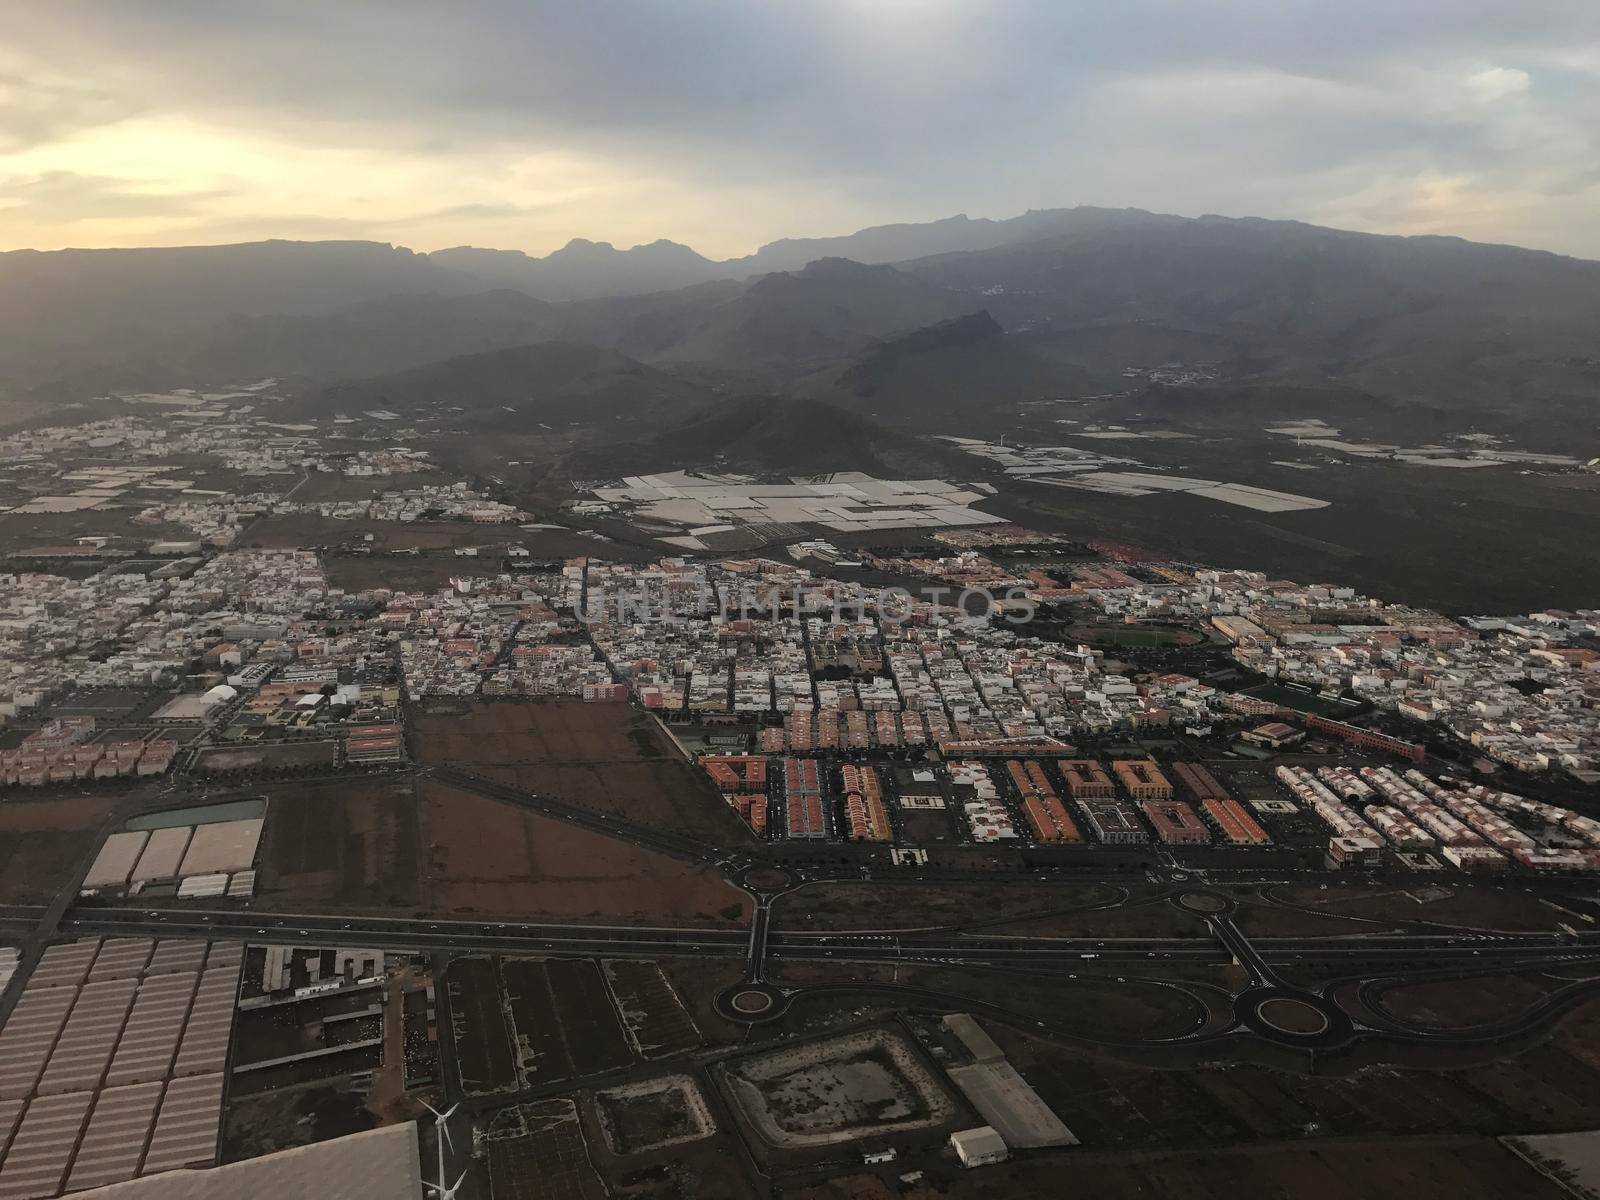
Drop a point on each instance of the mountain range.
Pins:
(944, 322)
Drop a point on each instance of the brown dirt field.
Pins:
(1456, 1168)
(915, 905)
(697, 981)
(351, 844)
(549, 1162)
(467, 733)
(1111, 1103)
(1158, 920)
(268, 756)
(542, 1052)
(358, 573)
(663, 793)
(1266, 920)
(1459, 1003)
(611, 758)
(31, 531)
(658, 1017)
(562, 1012)
(1087, 1005)
(486, 857)
(283, 1119)
(42, 842)
(1579, 1035)
(808, 973)
(590, 1025)
(1477, 908)
(306, 529)
(708, 1168)
(485, 1052)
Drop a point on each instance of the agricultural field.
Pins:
(537, 1152)
(697, 981)
(665, 793)
(655, 1114)
(888, 905)
(474, 733)
(1108, 1103)
(562, 1019)
(349, 844)
(526, 1022)
(292, 531)
(653, 1014)
(491, 858)
(611, 758)
(44, 842)
(1455, 1168)
(485, 1052)
(40, 533)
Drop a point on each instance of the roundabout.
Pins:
(1294, 1017)
(750, 1003)
(1291, 1017)
(1206, 904)
(763, 878)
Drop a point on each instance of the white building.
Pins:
(979, 1147)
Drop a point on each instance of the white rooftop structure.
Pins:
(378, 1164)
(979, 1147)
(846, 502)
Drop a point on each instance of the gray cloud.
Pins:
(35, 111)
(902, 108)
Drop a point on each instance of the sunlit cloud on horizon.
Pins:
(725, 125)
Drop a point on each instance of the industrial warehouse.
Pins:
(112, 1062)
(213, 857)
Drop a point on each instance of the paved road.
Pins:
(758, 943)
(459, 1143)
(408, 933)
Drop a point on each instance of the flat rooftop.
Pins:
(376, 1164)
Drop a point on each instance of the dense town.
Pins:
(249, 660)
(260, 658)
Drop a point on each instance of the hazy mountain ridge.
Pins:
(780, 322)
(93, 314)
(585, 270)
(1083, 293)
(830, 308)
(1422, 318)
(930, 377)
(554, 383)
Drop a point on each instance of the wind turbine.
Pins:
(441, 1140)
(448, 1193)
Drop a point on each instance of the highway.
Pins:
(758, 943)
(402, 933)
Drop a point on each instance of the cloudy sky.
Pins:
(727, 123)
